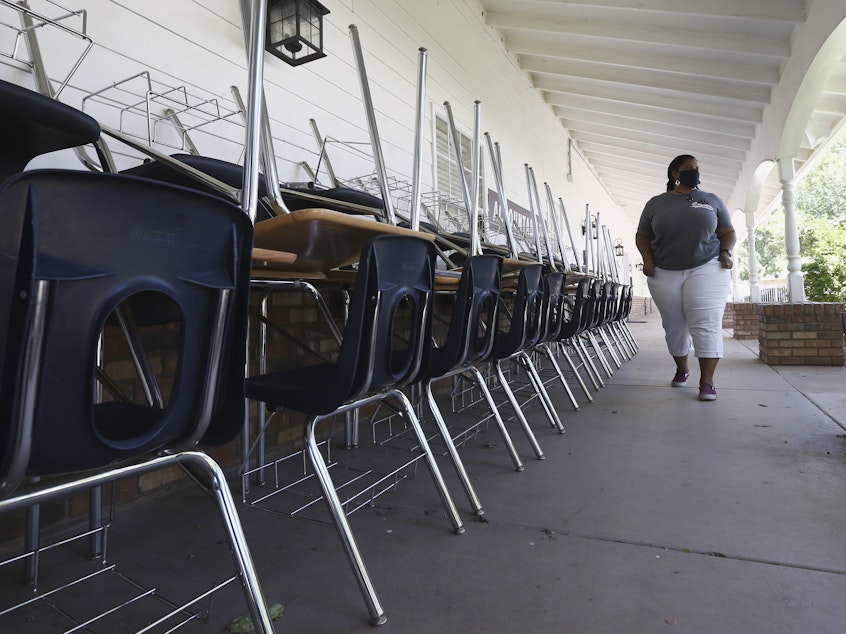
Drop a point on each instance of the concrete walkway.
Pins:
(654, 513)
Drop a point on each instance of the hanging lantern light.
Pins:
(619, 251)
(295, 30)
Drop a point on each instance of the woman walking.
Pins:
(685, 237)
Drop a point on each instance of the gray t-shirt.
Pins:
(684, 226)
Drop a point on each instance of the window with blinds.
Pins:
(448, 179)
(447, 176)
(450, 208)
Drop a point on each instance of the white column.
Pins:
(795, 285)
(754, 284)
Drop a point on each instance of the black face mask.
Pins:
(689, 178)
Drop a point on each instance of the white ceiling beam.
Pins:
(621, 31)
(636, 197)
(734, 70)
(836, 85)
(662, 147)
(636, 82)
(621, 175)
(633, 201)
(647, 166)
(664, 100)
(693, 120)
(597, 122)
(782, 10)
(593, 150)
(833, 104)
(644, 168)
(633, 183)
(683, 83)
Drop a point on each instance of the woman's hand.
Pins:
(648, 269)
(725, 259)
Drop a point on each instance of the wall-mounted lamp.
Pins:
(295, 30)
(640, 266)
(619, 251)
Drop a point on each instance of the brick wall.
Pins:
(728, 317)
(745, 320)
(801, 334)
(641, 307)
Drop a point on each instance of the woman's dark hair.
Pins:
(674, 167)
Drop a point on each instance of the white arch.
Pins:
(756, 187)
(818, 48)
(818, 45)
(829, 55)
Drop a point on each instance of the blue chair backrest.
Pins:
(473, 323)
(578, 312)
(623, 299)
(94, 241)
(627, 303)
(554, 299)
(607, 298)
(32, 124)
(395, 276)
(524, 326)
(484, 289)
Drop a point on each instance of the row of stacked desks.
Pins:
(314, 245)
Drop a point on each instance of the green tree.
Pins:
(824, 263)
(821, 193)
(821, 205)
(769, 247)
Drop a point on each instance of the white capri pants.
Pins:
(692, 303)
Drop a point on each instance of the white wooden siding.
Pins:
(199, 45)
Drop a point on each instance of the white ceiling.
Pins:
(637, 82)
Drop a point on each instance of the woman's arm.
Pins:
(727, 238)
(643, 242)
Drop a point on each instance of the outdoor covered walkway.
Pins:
(654, 512)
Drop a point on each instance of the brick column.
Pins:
(641, 307)
(801, 334)
(745, 320)
(728, 316)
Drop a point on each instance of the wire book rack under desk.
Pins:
(70, 591)
(31, 18)
(169, 116)
(286, 485)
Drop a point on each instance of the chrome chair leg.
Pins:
(222, 495)
(621, 341)
(601, 357)
(518, 412)
(624, 327)
(562, 346)
(333, 502)
(210, 476)
(609, 347)
(546, 351)
(437, 478)
(590, 366)
(457, 463)
(543, 395)
(506, 437)
(335, 506)
(447, 437)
